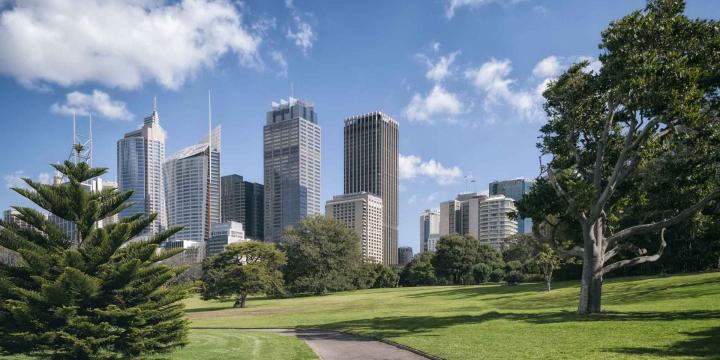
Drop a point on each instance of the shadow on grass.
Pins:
(702, 344)
(404, 325)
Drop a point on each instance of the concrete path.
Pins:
(334, 345)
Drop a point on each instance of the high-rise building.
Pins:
(371, 165)
(432, 242)
(11, 216)
(485, 218)
(494, 224)
(140, 156)
(291, 147)
(254, 210)
(429, 225)
(405, 255)
(192, 183)
(515, 189)
(222, 235)
(362, 213)
(242, 201)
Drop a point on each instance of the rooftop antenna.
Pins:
(74, 153)
(154, 103)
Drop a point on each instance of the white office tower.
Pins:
(484, 218)
(140, 156)
(192, 185)
(291, 142)
(362, 213)
(494, 224)
(429, 225)
(222, 235)
(432, 242)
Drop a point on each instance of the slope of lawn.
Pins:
(674, 317)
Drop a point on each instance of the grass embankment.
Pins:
(676, 317)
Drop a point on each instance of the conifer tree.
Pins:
(98, 296)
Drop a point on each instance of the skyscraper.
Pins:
(429, 225)
(242, 201)
(371, 165)
(405, 255)
(484, 218)
(362, 213)
(515, 189)
(291, 165)
(192, 182)
(140, 156)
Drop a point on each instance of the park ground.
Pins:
(675, 317)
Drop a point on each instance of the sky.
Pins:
(464, 79)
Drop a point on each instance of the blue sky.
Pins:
(462, 77)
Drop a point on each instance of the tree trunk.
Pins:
(240, 302)
(547, 282)
(591, 285)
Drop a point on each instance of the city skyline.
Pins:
(338, 81)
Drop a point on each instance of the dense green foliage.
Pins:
(674, 318)
(455, 256)
(419, 271)
(323, 255)
(375, 275)
(633, 147)
(243, 269)
(97, 296)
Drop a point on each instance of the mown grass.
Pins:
(674, 317)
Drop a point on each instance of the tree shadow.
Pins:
(404, 325)
(702, 344)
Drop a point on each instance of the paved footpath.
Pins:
(333, 345)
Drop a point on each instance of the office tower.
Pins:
(405, 255)
(515, 189)
(140, 156)
(494, 224)
(192, 184)
(10, 216)
(232, 198)
(371, 165)
(432, 242)
(254, 210)
(429, 225)
(362, 213)
(109, 185)
(484, 218)
(242, 201)
(291, 144)
(222, 235)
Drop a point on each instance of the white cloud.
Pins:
(547, 67)
(492, 79)
(121, 44)
(438, 71)
(97, 103)
(412, 199)
(45, 178)
(439, 102)
(14, 179)
(432, 198)
(453, 5)
(281, 62)
(303, 36)
(411, 167)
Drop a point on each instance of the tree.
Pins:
(386, 276)
(243, 269)
(455, 256)
(98, 296)
(322, 255)
(419, 271)
(657, 86)
(481, 273)
(547, 262)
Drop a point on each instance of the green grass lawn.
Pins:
(242, 345)
(675, 317)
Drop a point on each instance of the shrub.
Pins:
(513, 265)
(514, 277)
(497, 275)
(481, 273)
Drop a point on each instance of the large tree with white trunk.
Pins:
(610, 130)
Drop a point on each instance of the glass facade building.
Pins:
(192, 183)
(291, 160)
(140, 156)
(514, 189)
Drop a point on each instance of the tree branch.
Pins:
(600, 153)
(559, 190)
(638, 260)
(646, 228)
